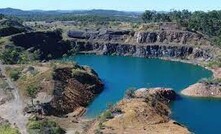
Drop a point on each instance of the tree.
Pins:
(32, 92)
(148, 16)
(1, 16)
(15, 75)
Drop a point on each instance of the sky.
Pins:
(122, 5)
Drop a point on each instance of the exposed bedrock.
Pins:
(162, 94)
(73, 88)
(158, 43)
(142, 37)
(170, 43)
(154, 50)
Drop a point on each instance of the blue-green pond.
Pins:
(201, 116)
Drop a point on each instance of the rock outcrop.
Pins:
(162, 42)
(143, 114)
(204, 89)
(59, 87)
(46, 45)
(142, 50)
(74, 87)
(178, 37)
(10, 27)
(163, 94)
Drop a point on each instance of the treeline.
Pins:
(1, 16)
(74, 17)
(208, 23)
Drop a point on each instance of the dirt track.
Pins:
(13, 109)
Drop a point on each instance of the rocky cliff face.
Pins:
(143, 50)
(62, 87)
(159, 36)
(10, 27)
(171, 37)
(162, 94)
(163, 42)
(74, 88)
(159, 43)
(48, 45)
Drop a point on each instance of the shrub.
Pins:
(105, 116)
(15, 55)
(15, 74)
(32, 91)
(44, 126)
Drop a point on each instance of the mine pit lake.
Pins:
(201, 116)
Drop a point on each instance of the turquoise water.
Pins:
(120, 73)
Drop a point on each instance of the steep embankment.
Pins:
(74, 88)
(145, 113)
(162, 41)
(10, 27)
(60, 88)
(48, 45)
(165, 41)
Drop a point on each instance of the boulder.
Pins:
(161, 93)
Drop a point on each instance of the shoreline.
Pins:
(198, 90)
(187, 61)
(216, 72)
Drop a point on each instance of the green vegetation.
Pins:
(10, 56)
(15, 74)
(7, 129)
(1, 16)
(102, 118)
(105, 116)
(99, 16)
(211, 81)
(32, 91)
(208, 23)
(15, 55)
(43, 126)
(215, 63)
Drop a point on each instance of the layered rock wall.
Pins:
(148, 51)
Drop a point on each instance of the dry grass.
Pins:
(139, 117)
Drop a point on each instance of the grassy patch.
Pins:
(214, 64)
(7, 129)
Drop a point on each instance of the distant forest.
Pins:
(208, 23)
(84, 15)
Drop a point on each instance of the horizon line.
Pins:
(107, 9)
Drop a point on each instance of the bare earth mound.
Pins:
(203, 90)
(140, 115)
